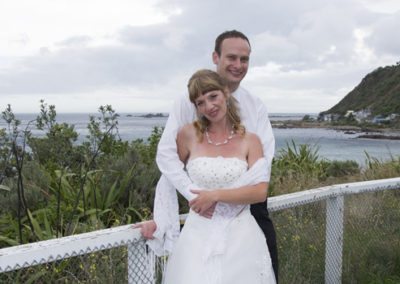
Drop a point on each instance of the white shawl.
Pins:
(166, 213)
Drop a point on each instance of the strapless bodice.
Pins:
(215, 172)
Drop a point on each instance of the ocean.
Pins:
(331, 144)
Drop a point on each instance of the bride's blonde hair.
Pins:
(204, 81)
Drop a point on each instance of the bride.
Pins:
(227, 163)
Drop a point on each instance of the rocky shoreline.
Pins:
(364, 133)
(380, 136)
(152, 115)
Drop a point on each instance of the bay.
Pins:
(331, 144)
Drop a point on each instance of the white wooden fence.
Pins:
(23, 256)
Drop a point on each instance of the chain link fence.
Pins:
(143, 265)
(331, 238)
(106, 266)
(371, 246)
(364, 248)
(300, 235)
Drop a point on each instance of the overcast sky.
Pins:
(137, 55)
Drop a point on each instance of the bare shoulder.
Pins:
(187, 130)
(254, 147)
(252, 139)
(184, 141)
(186, 133)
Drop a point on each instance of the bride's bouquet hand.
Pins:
(205, 202)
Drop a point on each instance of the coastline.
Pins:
(364, 133)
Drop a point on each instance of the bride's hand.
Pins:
(147, 229)
(204, 202)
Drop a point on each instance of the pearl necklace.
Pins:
(219, 143)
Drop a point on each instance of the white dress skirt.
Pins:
(245, 259)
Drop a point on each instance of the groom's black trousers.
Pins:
(260, 213)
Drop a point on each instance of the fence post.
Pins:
(334, 239)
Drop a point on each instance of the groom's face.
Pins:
(233, 61)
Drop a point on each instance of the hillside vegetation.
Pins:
(379, 91)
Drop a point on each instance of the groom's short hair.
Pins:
(225, 35)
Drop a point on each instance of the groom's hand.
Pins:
(209, 213)
(205, 202)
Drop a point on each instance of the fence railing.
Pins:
(139, 270)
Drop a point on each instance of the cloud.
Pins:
(299, 50)
(81, 40)
(383, 37)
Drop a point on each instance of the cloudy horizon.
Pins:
(138, 55)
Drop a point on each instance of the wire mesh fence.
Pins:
(360, 232)
(371, 251)
(143, 266)
(371, 240)
(300, 235)
(106, 266)
(124, 264)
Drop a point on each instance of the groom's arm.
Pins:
(167, 153)
(172, 170)
(264, 132)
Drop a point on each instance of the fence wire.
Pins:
(371, 240)
(106, 266)
(300, 235)
(370, 252)
(126, 264)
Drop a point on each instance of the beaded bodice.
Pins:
(215, 172)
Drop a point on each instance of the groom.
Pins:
(231, 57)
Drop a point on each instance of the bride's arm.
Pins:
(184, 141)
(248, 194)
(243, 195)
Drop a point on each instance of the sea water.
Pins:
(331, 144)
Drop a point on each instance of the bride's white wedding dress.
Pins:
(241, 258)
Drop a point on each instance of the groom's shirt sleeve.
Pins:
(264, 131)
(255, 118)
(167, 153)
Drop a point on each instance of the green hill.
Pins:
(379, 92)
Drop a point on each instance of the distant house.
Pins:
(348, 113)
(359, 116)
(362, 115)
(324, 117)
(381, 119)
(329, 117)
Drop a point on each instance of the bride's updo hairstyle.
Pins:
(204, 81)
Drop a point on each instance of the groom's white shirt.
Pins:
(254, 117)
